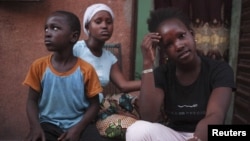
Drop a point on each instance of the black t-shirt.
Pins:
(185, 106)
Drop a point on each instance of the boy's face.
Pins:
(101, 26)
(57, 32)
(177, 41)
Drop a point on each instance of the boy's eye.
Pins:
(55, 28)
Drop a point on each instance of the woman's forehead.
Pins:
(102, 13)
(171, 24)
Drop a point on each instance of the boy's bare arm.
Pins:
(36, 132)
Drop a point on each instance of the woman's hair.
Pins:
(72, 20)
(160, 15)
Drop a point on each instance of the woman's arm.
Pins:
(121, 82)
(217, 108)
(151, 98)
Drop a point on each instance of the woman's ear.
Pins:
(192, 32)
(87, 26)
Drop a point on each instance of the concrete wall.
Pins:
(21, 42)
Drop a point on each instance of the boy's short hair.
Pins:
(72, 20)
(162, 14)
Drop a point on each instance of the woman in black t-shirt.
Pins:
(193, 91)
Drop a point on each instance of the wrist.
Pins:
(147, 70)
(148, 64)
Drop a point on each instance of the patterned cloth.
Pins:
(118, 112)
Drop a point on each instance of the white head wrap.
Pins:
(91, 11)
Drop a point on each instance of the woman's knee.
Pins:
(139, 129)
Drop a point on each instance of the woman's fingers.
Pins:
(151, 40)
(149, 45)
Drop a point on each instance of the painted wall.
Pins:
(21, 42)
(143, 10)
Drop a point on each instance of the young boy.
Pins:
(63, 89)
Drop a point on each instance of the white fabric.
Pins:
(148, 131)
(101, 64)
(91, 11)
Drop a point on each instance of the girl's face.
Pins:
(58, 33)
(101, 26)
(177, 41)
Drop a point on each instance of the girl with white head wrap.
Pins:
(98, 26)
(91, 11)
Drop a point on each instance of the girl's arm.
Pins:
(217, 108)
(121, 82)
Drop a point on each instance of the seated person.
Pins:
(191, 90)
(63, 89)
(98, 26)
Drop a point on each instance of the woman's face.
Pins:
(177, 41)
(101, 26)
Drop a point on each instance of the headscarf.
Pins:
(91, 11)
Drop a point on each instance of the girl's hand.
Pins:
(148, 47)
